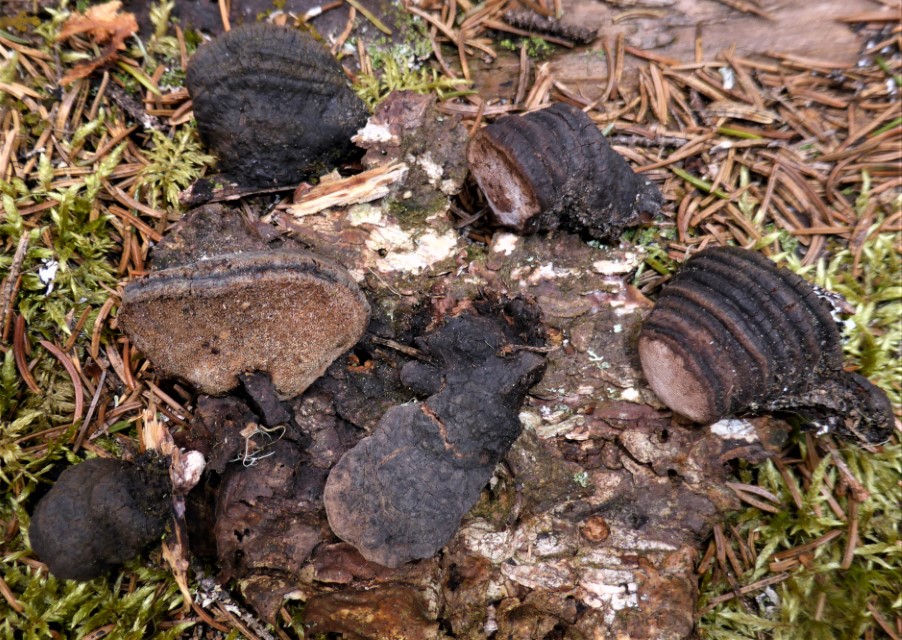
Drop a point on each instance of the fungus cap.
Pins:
(287, 313)
(273, 104)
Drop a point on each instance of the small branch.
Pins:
(10, 284)
(364, 187)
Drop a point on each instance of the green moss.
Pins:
(174, 164)
(78, 609)
(399, 66)
(819, 600)
(536, 47)
(872, 285)
(396, 68)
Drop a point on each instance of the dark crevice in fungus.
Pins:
(554, 169)
(401, 492)
(273, 104)
(100, 514)
(264, 399)
(734, 333)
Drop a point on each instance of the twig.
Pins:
(364, 187)
(224, 15)
(537, 23)
(741, 591)
(73, 373)
(10, 283)
(83, 430)
(397, 346)
(19, 354)
(747, 7)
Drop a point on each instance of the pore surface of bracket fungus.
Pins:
(273, 104)
(284, 312)
(400, 493)
(100, 514)
(733, 332)
(554, 169)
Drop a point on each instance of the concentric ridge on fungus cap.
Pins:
(284, 312)
(734, 332)
(554, 169)
(273, 104)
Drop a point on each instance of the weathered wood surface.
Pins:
(669, 28)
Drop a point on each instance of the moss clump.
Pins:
(823, 595)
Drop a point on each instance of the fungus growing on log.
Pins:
(100, 514)
(554, 169)
(273, 104)
(284, 312)
(733, 332)
(401, 492)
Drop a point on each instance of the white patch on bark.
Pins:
(504, 243)
(409, 254)
(731, 429)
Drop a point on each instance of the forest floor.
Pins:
(776, 128)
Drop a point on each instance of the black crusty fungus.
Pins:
(100, 514)
(734, 333)
(273, 104)
(553, 169)
(285, 312)
(401, 492)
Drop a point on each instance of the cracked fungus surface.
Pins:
(286, 313)
(400, 493)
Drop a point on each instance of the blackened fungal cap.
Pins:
(733, 332)
(273, 104)
(554, 169)
(287, 313)
(100, 514)
(401, 492)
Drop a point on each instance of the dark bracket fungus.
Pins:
(100, 514)
(401, 492)
(273, 104)
(732, 332)
(284, 312)
(554, 169)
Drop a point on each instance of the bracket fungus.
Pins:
(285, 312)
(401, 492)
(273, 104)
(554, 169)
(100, 514)
(733, 332)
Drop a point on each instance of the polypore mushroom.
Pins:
(100, 514)
(273, 104)
(401, 492)
(554, 169)
(732, 332)
(284, 312)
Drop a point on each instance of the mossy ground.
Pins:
(69, 184)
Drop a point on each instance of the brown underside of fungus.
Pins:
(100, 514)
(273, 104)
(733, 332)
(284, 312)
(401, 492)
(554, 169)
